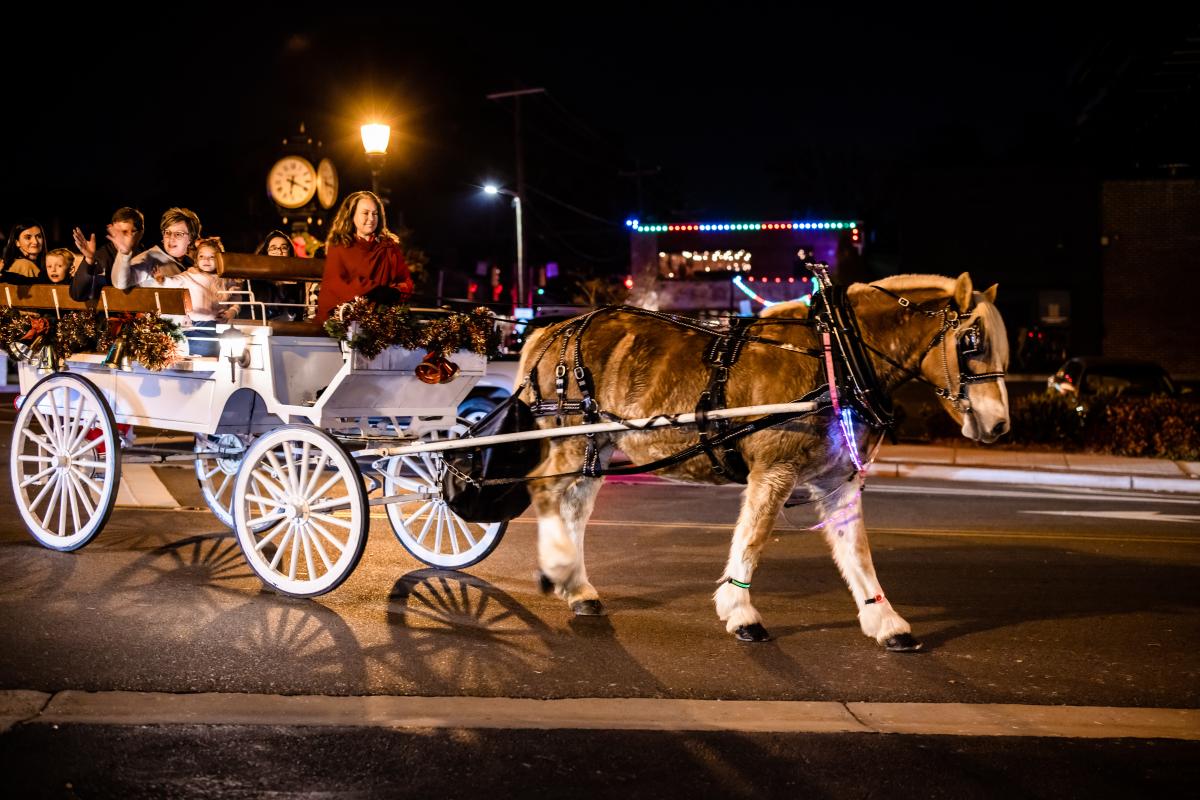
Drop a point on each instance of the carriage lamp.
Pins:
(375, 138)
(233, 344)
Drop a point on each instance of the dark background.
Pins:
(964, 139)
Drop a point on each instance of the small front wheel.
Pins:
(300, 510)
(423, 521)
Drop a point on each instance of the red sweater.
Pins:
(353, 271)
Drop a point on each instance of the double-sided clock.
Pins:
(327, 183)
(292, 182)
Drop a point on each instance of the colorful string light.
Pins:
(721, 227)
(739, 283)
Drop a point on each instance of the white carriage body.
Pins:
(289, 379)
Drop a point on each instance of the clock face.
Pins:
(327, 183)
(292, 182)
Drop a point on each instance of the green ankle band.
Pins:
(738, 583)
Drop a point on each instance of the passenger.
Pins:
(95, 271)
(25, 254)
(363, 257)
(58, 266)
(277, 243)
(180, 228)
(207, 291)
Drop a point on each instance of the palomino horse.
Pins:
(641, 366)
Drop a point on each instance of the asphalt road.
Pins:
(1043, 597)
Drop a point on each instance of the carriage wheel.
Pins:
(425, 524)
(300, 510)
(65, 461)
(217, 462)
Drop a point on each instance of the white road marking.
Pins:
(1048, 494)
(1137, 516)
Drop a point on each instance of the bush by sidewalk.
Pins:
(1155, 427)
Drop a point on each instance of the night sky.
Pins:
(738, 112)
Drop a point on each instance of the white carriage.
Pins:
(277, 417)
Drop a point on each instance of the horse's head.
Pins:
(969, 362)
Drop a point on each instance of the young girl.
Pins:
(207, 291)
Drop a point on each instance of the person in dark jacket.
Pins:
(95, 271)
(277, 243)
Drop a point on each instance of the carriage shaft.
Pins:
(660, 421)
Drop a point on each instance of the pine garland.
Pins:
(382, 326)
(35, 337)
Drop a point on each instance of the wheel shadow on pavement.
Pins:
(455, 633)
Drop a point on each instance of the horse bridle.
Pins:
(966, 343)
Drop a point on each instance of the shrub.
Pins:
(1046, 419)
(1158, 427)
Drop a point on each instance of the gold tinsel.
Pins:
(383, 326)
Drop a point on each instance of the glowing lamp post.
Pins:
(516, 202)
(375, 142)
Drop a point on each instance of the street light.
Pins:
(375, 142)
(492, 189)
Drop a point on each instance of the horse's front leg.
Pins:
(563, 507)
(846, 533)
(765, 494)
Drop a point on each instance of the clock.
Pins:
(327, 183)
(292, 182)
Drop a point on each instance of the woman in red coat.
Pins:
(361, 255)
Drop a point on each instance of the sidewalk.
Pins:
(1083, 470)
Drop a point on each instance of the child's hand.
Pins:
(156, 272)
(85, 246)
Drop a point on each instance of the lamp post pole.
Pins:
(516, 204)
(516, 94)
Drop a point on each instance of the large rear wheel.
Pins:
(65, 461)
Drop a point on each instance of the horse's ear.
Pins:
(990, 294)
(962, 291)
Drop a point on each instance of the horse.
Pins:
(926, 327)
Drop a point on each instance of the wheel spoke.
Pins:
(278, 476)
(329, 505)
(337, 476)
(37, 477)
(338, 543)
(302, 478)
(208, 476)
(263, 542)
(99, 490)
(221, 489)
(53, 496)
(38, 500)
(283, 543)
(320, 548)
(91, 444)
(345, 523)
(316, 475)
(412, 464)
(63, 498)
(464, 527)
(308, 558)
(295, 560)
(82, 494)
(51, 440)
(39, 459)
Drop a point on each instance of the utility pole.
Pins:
(637, 174)
(524, 288)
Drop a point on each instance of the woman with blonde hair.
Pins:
(363, 258)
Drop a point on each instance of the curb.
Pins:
(644, 714)
(1029, 477)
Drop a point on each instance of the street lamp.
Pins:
(492, 189)
(375, 142)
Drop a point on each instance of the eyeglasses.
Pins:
(169, 235)
(277, 250)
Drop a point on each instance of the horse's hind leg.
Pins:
(846, 534)
(563, 506)
(765, 494)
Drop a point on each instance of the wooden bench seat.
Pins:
(49, 297)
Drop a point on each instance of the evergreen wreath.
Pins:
(380, 326)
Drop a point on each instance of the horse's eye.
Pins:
(971, 340)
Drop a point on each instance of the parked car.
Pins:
(1084, 376)
(495, 387)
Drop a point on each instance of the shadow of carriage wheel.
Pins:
(452, 630)
(211, 565)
